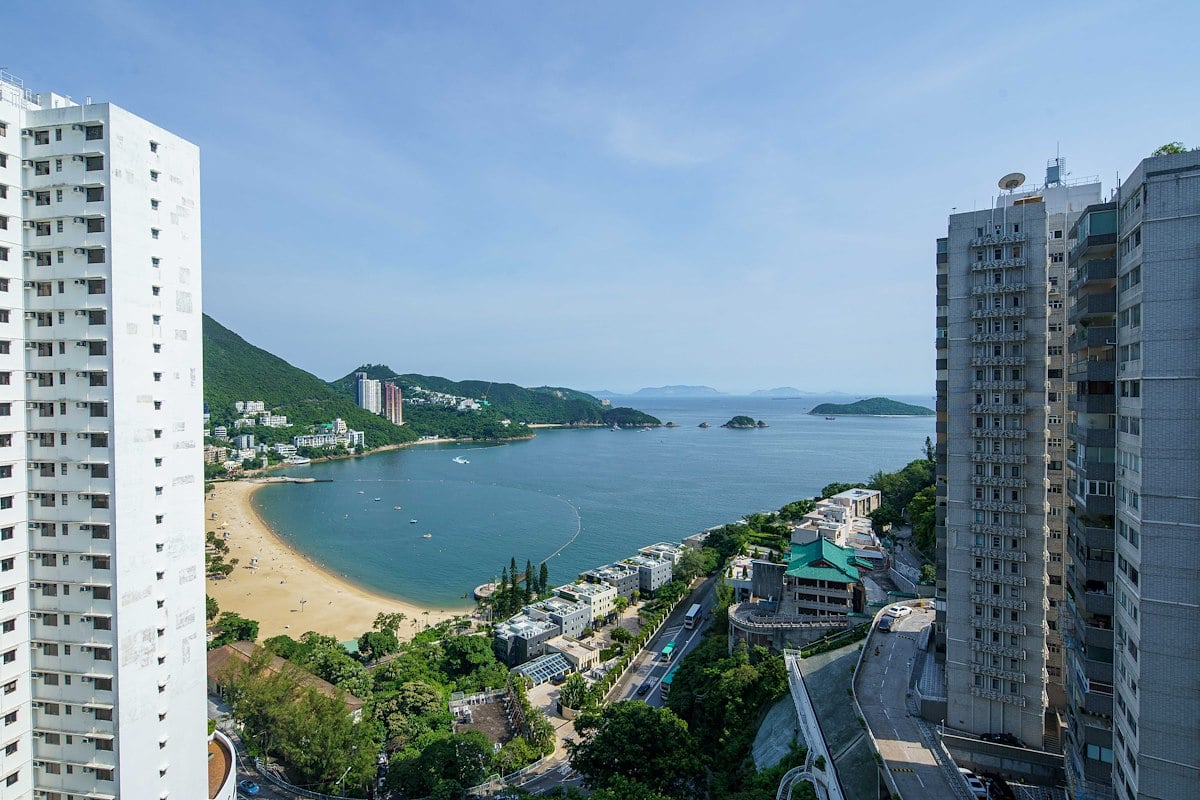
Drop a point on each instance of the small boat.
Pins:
(360, 491)
(831, 419)
(412, 522)
(427, 536)
(377, 499)
(615, 428)
(395, 508)
(460, 460)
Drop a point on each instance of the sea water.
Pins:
(576, 497)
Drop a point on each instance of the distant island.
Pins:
(780, 391)
(744, 422)
(873, 407)
(677, 391)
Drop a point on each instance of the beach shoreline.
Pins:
(284, 590)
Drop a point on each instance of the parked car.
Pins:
(1002, 738)
(976, 786)
(248, 787)
(899, 611)
(885, 623)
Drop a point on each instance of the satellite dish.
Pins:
(1012, 180)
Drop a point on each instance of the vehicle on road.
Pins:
(645, 687)
(1002, 738)
(693, 616)
(667, 680)
(249, 787)
(899, 611)
(668, 651)
(974, 784)
(885, 624)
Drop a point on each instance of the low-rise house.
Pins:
(599, 597)
(668, 551)
(521, 638)
(822, 579)
(622, 577)
(580, 655)
(652, 572)
(571, 617)
(861, 502)
(226, 662)
(739, 576)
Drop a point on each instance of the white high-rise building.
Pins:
(102, 669)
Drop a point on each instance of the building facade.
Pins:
(367, 393)
(1001, 454)
(1155, 589)
(101, 459)
(393, 403)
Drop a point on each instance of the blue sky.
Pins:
(613, 195)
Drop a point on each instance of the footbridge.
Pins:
(818, 768)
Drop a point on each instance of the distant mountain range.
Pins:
(781, 391)
(236, 370)
(677, 391)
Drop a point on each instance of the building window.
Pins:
(94, 163)
(154, 175)
(93, 132)
(153, 146)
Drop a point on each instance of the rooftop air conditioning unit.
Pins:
(80, 189)
(27, 193)
(77, 158)
(27, 163)
(80, 251)
(28, 254)
(29, 224)
(77, 126)
(26, 131)
(79, 220)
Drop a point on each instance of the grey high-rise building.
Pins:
(1134, 578)
(1001, 454)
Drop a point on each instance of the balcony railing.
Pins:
(998, 313)
(1006, 555)
(1007, 579)
(1008, 287)
(1001, 336)
(992, 505)
(1000, 602)
(999, 433)
(998, 458)
(998, 361)
(1001, 408)
(991, 239)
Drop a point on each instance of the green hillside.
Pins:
(875, 406)
(540, 405)
(235, 370)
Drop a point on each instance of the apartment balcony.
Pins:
(79, 479)
(1093, 336)
(814, 608)
(999, 408)
(1097, 242)
(996, 672)
(998, 238)
(999, 385)
(999, 433)
(993, 505)
(1093, 404)
(991, 265)
(1009, 483)
(999, 650)
(1006, 555)
(1003, 627)
(1008, 579)
(77, 569)
(1098, 272)
(1093, 305)
(1003, 336)
(999, 530)
(1007, 287)
(999, 313)
(998, 361)
(1093, 369)
(1097, 636)
(999, 697)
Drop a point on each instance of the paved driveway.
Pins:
(882, 683)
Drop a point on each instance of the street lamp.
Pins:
(341, 787)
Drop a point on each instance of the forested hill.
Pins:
(875, 406)
(542, 404)
(236, 370)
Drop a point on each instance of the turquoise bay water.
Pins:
(591, 495)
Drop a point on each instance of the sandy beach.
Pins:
(271, 589)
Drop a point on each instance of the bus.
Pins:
(668, 650)
(665, 683)
(693, 616)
